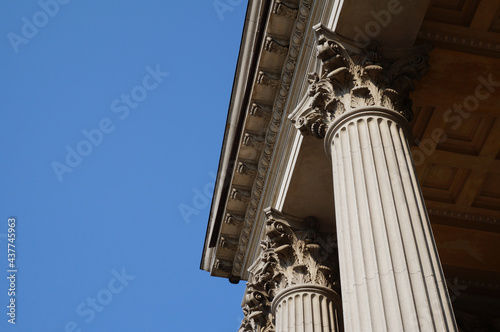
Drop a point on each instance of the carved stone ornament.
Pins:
(277, 46)
(353, 77)
(223, 265)
(284, 9)
(228, 243)
(268, 79)
(246, 167)
(240, 194)
(293, 253)
(234, 218)
(261, 111)
(288, 74)
(254, 140)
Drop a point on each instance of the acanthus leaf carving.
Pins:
(303, 255)
(293, 253)
(352, 78)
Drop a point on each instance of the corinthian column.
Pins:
(293, 285)
(391, 277)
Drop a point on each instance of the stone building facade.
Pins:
(359, 182)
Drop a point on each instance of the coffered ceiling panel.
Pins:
(457, 12)
(470, 137)
(489, 195)
(444, 183)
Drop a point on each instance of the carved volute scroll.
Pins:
(293, 253)
(353, 78)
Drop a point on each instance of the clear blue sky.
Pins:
(112, 116)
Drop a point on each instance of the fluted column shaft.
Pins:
(307, 308)
(391, 277)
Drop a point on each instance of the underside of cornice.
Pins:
(233, 214)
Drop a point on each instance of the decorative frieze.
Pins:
(463, 215)
(462, 284)
(462, 41)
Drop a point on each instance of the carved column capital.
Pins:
(294, 253)
(355, 77)
(302, 255)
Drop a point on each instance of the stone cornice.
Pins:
(272, 133)
(253, 35)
